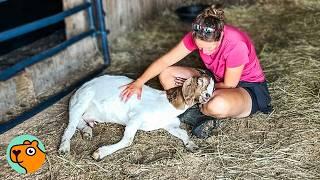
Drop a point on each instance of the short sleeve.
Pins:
(188, 42)
(238, 55)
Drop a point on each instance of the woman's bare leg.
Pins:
(234, 102)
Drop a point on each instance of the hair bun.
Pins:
(217, 6)
(215, 10)
(212, 17)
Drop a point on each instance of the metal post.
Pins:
(102, 31)
(90, 16)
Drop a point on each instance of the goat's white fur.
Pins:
(99, 101)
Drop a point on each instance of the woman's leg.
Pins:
(225, 102)
(234, 102)
(168, 76)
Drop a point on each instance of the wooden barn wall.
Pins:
(76, 23)
(122, 15)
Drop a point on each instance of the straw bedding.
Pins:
(282, 145)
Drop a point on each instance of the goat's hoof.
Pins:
(192, 147)
(64, 148)
(87, 133)
(87, 136)
(96, 155)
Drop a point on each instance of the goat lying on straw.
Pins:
(98, 101)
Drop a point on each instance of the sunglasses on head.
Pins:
(198, 29)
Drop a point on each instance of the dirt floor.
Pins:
(281, 145)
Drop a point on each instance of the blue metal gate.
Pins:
(96, 28)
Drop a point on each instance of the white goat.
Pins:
(98, 101)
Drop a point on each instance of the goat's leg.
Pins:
(126, 141)
(86, 132)
(79, 102)
(65, 140)
(73, 125)
(183, 135)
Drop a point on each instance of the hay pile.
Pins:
(282, 145)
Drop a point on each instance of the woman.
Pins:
(229, 55)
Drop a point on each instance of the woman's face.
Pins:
(207, 47)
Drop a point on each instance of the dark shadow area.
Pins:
(14, 13)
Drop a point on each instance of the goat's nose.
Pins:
(207, 95)
(16, 152)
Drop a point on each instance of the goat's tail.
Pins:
(78, 105)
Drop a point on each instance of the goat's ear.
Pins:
(188, 90)
(200, 81)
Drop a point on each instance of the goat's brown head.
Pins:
(194, 90)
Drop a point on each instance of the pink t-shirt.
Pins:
(235, 50)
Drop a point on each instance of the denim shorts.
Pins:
(258, 91)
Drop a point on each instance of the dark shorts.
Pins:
(260, 96)
(261, 100)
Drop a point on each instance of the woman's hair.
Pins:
(211, 17)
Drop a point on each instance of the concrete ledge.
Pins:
(48, 77)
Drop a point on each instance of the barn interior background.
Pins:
(284, 144)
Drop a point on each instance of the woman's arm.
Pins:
(231, 78)
(173, 56)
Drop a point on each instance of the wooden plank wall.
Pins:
(122, 15)
(76, 23)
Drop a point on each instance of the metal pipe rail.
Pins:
(100, 30)
(12, 70)
(96, 28)
(44, 22)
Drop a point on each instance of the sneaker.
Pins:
(191, 115)
(202, 126)
(205, 127)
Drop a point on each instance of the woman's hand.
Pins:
(130, 89)
(178, 81)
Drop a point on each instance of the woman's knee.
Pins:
(165, 74)
(217, 107)
(166, 77)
